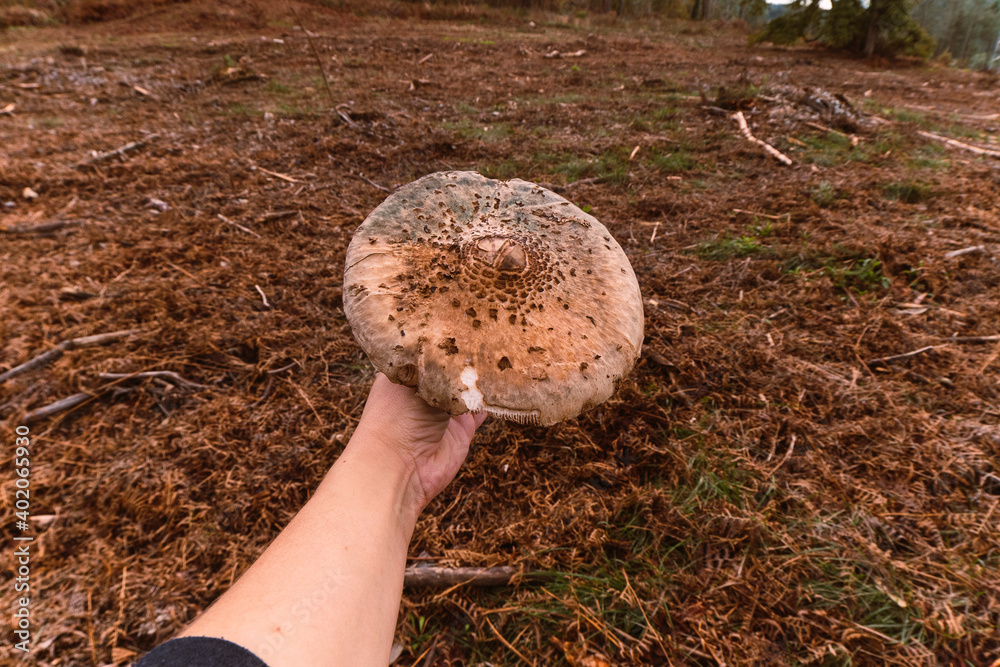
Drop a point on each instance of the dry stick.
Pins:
(373, 183)
(277, 215)
(788, 454)
(769, 216)
(56, 352)
(958, 144)
(768, 148)
(973, 339)
(61, 405)
(884, 361)
(854, 139)
(234, 224)
(43, 228)
(319, 61)
(121, 150)
(440, 577)
(284, 177)
(965, 251)
(169, 376)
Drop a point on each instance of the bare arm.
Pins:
(327, 590)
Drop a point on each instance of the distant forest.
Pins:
(965, 33)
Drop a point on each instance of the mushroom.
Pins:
(493, 295)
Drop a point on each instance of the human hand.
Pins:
(430, 443)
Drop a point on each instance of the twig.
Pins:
(373, 183)
(768, 148)
(262, 296)
(169, 376)
(237, 226)
(277, 215)
(56, 352)
(583, 181)
(788, 454)
(121, 150)
(319, 61)
(283, 177)
(43, 228)
(783, 216)
(884, 361)
(958, 144)
(440, 577)
(965, 251)
(346, 118)
(853, 137)
(61, 405)
(718, 111)
(973, 339)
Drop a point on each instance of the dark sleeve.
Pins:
(199, 652)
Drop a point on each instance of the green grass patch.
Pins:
(277, 88)
(470, 128)
(908, 192)
(505, 169)
(675, 161)
(730, 247)
(827, 149)
(610, 166)
(864, 275)
(241, 110)
(824, 194)
(930, 156)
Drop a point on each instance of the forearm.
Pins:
(326, 591)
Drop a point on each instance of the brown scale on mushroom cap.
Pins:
(493, 295)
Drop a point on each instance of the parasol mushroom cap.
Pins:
(493, 295)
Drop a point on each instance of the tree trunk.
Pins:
(968, 36)
(995, 55)
(621, 7)
(871, 40)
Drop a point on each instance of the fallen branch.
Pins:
(43, 228)
(964, 251)
(170, 376)
(853, 138)
(884, 361)
(56, 352)
(958, 144)
(443, 577)
(62, 405)
(121, 150)
(768, 148)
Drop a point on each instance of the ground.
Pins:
(769, 486)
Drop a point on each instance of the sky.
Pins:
(825, 4)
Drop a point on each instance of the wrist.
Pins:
(385, 471)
